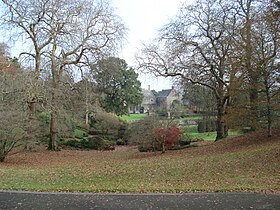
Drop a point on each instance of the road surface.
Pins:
(61, 201)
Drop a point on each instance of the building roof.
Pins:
(164, 93)
(147, 93)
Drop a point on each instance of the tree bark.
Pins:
(53, 143)
(252, 72)
(31, 125)
(269, 117)
(222, 130)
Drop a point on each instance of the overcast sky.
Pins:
(143, 18)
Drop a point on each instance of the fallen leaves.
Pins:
(244, 163)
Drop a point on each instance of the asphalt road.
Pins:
(30, 200)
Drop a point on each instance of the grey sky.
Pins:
(143, 18)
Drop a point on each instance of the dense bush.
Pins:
(105, 123)
(141, 132)
(121, 142)
(153, 133)
(95, 143)
(121, 134)
(167, 138)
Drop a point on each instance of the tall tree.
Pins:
(268, 55)
(79, 29)
(216, 44)
(197, 47)
(119, 84)
(26, 20)
(71, 31)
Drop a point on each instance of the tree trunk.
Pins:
(254, 113)
(2, 156)
(222, 130)
(269, 117)
(53, 143)
(30, 143)
(252, 73)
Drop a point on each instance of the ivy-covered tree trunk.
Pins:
(222, 130)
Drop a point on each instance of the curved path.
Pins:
(31, 200)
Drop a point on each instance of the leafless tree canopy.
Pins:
(217, 44)
(63, 34)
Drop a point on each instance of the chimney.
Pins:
(149, 87)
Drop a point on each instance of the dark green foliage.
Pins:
(121, 142)
(162, 112)
(185, 142)
(201, 127)
(123, 128)
(95, 143)
(118, 83)
(72, 143)
(184, 146)
(45, 117)
(206, 125)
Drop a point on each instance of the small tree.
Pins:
(12, 131)
(167, 137)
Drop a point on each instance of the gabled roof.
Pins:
(164, 93)
(147, 93)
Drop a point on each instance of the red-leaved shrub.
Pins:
(167, 137)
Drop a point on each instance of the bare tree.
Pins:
(27, 19)
(197, 47)
(221, 45)
(72, 32)
(267, 39)
(89, 29)
(257, 42)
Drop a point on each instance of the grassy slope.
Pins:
(133, 117)
(245, 163)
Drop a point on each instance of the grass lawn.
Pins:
(209, 136)
(133, 117)
(247, 163)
